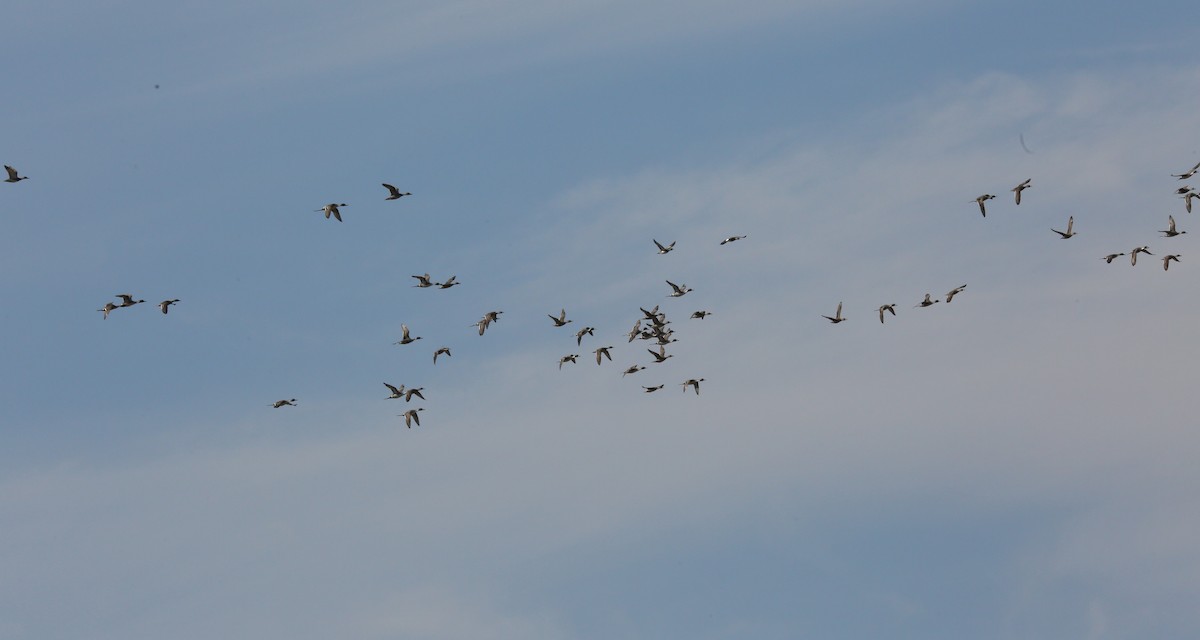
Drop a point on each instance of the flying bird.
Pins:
(927, 302)
(1167, 260)
(1134, 254)
(661, 248)
(395, 193)
(1182, 176)
(695, 384)
(127, 300)
(733, 239)
(284, 403)
(887, 307)
(634, 369)
(661, 355)
(701, 314)
(397, 392)
(331, 209)
(561, 320)
(1112, 256)
(680, 290)
(953, 292)
(1065, 234)
(409, 393)
(108, 308)
(411, 416)
(1187, 199)
(448, 283)
(837, 317)
(423, 281)
(1170, 232)
(653, 389)
(166, 304)
(982, 199)
(603, 351)
(1017, 190)
(440, 351)
(586, 331)
(404, 338)
(12, 175)
(568, 358)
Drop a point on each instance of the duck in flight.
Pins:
(166, 304)
(441, 351)
(405, 338)
(561, 320)
(411, 416)
(1182, 176)
(1065, 234)
(887, 307)
(1112, 256)
(1167, 260)
(107, 309)
(331, 209)
(1170, 231)
(127, 300)
(12, 175)
(837, 317)
(733, 239)
(394, 192)
(982, 199)
(662, 250)
(694, 383)
(284, 403)
(953, 292)
(1019, 188)
(927, 302)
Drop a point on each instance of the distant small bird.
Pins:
(887, 307)
(701, 314)
(395, 193)
(586, 331)
(927, 302)
(733, 239)
(1065, 234)
(1112, 256)
(650, 315)
(567, 358)
(561, 320)
(411, 416)
(636, 331)
(679, 290)
(166, 304)
(423, 281)
(661, 248)
(1167, 260)
(12, 175)
(397, 392)
(1182, 190)
(487, 319)
(661, 355)
(108, 308)
(953, 292)
(1170, 232)
(695, 384)
(1134, 254)
(653, 389)
(837, 317)
(332, 210)
(634, 369)
(127, 300)
(441, 351)
(448, 283)
(1187, 200)
(1017, 190)
(409, 393)
(284, 403)
(603, 352)
(404, 338)
(982, 199)
(1182, 176)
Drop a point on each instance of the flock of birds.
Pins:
(653, 324)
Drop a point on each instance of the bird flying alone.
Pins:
(12, 175)
(694, 383)
(441, 351)
(567, 358)
(284, 403)
(663, 249)
(733, 239)
(405, 338)
(679, 290)
(1167, 260)
(394, 193)
(1112, 256)
(331, 209)
(1018, 189)
(166, 304)
(887, 307)
(953, 292)
(561, 320)
(411, 416)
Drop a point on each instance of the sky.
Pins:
(1018, 464)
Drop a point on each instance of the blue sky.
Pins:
(1016, 464)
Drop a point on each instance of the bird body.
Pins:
(1170, 232)
(701, 314)
(1167, 260)
(12, 175)
(662, 250)
(733, 239)
(837, 317)
(441, 351)
(411, 416)
(397, 392)
(448, 283)
(1182, 176)
(887, 307)
(127, 300)
(405, 338)
(107, 308)
(953, 292)
(1112, 256)
(423, 281)
(1065, 234)
(679, 290)
(586, 331)
(1019, 188)
(694, 383)
(166, 304)
(982, 199)
(284, 403)
(331, 209)
(653, 389)
(1134, 254)
(394, 193)
(927, 301)
(603, 352)
(567, 358)
(561, 320)
(634, 369)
